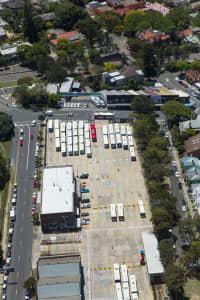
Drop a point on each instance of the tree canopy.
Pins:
(176, 112)
(7, 127)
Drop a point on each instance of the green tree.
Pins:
(155, 172)
(53, 100)
(167, 252)
(4, 171)
(176, 112)
(174, 276)
(132, 20)
(142, 105)
(159, 143)
(192, 259)
(29, 27)
(30, 283)
(160, 215)
(110, 20)
(25, 80)
(150, 66)
(195, 65)
(94, 56)
(179, 16)
(155, 155)
(7, 127)
(88, 27)
(182, 66)
(145, 129)
(22, 95)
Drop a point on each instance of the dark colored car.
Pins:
(180, 185)
(10, 238)
(85, 200)
(9, 252)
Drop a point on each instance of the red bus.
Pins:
(93, 132)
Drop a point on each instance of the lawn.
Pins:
(8, 84)
(5, 149)
(192, 289)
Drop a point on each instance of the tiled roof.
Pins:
(184, 33)
(72, 35)
(157, 7)
(193, 75)
(151, 36)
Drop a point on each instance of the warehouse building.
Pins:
(57, 199)
(59, 278)
(152, 255)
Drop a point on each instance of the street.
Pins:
(22, 239)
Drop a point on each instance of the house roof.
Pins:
(156, 7)
(193, 75)
(184, 33)
(152, 35)
(72, 36)
(192, 144)
(195, 4)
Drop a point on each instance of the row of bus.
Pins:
(122, 282)
(117, 129)
(120, 211)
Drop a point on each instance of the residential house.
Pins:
(156, 7)
(132, 72)
(184, 33)
(73, 36)
(47, 17)
(195, 4)
(9, 51)
(193, 75)
(192, 146)
(152, 36)
(190, 124)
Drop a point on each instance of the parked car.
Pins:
(34, 184)
(85, 191)
(177, 174)
(33, 212)
(85, 200)
(84, 214)
(33, 123)
(27, 294)
(87, 205)
(180, 185)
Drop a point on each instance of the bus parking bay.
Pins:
(113, 178)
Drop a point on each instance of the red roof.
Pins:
(184, 33)
(151, 36)
(65, 35)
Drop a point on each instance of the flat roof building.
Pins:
(59, 278)
(152, 255)
(57, 206)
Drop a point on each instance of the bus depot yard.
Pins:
(115, 202)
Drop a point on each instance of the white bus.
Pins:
(112, 141)
(62, 127)
(113, 214)
(50, 125)
(75, 132)
(105, 140)
(63, 137)
(69, 126)
(117, 128)
(135, 296)
(124, 273)
(80, 124)
(57, 144)
(141, 209)
(123, 130)
(87, 135)
(132, 152)
(56, 124)
(129, 131)
(70, 150)
(89, 153)
(116, 271)
(105, 130)
(118, 291)
(104, 115)
(119, 141)
(75, 147)
(69, 133)
(120, 211)
(63, 149)
(81, 139)
(57, 133)
(130, 141)
(82, 148)
(75, 140)
(86, 127)
(80, 131)
(124, 142)
(133, 283)
(110, 128)
(74, 125)
(126, 291)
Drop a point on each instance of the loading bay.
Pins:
(113, 178)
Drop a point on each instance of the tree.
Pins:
(53, 100)
(179, 16)
(131, 22)
(25, 80)
(110, 20)
(192, 259)
(22, 95)
(174, 276)
(7, 127)
(176, 112)
(159, 143)
(56, 73)
(160, 215)
(30, 283)
(149, 61)
(182, 66)
(142, 105)
(155, 155)
(4, 171)
(145, 129)
(167, 252)
(88, 27)
(110, 66)
(95, 57)
(155, 172)
(29, 27)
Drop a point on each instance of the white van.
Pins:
(48, 113)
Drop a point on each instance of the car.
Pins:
(85, 200)
(5, 279)
(84, 214)
(86, 219)
(177, 174)
(27, 294)
(9, 253)
(22, 131)
(8, 261)
(85, 105)
(33, 123)
(173, 163)
(12, 225)
(10, 238)
(33, 206)
(33, 212)
(85, 191)
(34, 184)
(170, 148)
(31, 136)
(34, 201)
(4, 288)
(48, 113)
(9, 245)
(180, 186)
(87, 205)
(4, 297)
(21, 143)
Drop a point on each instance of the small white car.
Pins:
(177, 174)
(33, 123)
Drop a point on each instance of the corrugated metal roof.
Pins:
(58, 270)
(58, 290)
(152, 254)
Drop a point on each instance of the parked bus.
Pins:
(133, 284)
(89, 153)
(124, 142)
(119, 141)
(120, 211)
(113, 214)
(93, 132)
(57, 144)
(82, 148)
(129, 131)
(124, 273)
(63, 149)
(130, 141)
(56, 124)
(63, 127)
(132, 152)
(117, 128)
(50, 125)
(104, 115)
(118, 291)
(105, 140)
(105, 130)
(116, 272)
(126, 291)
(112, 141)
(57, 133)
(123, 130)
(141, 209)
(110, 127)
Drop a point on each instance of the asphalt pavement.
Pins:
(22, 239)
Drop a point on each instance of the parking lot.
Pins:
(113, 178)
